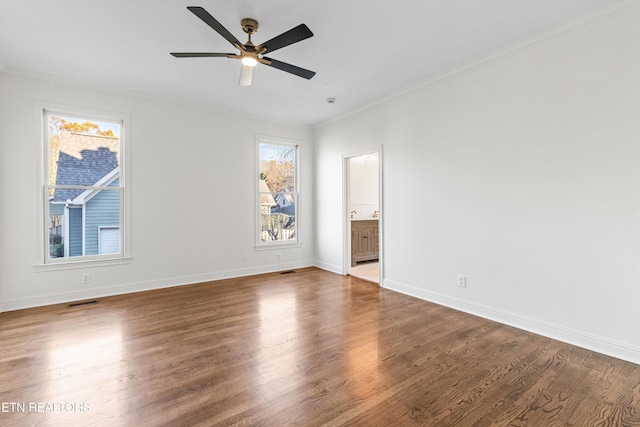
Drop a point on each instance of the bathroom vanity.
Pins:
(364, 240)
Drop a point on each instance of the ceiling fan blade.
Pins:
(246, 75)
(211, 21)
(301, 72)
(292, 36)
(200, 54)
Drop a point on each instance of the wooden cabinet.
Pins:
(364, 240)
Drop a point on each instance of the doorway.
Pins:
(363, 215)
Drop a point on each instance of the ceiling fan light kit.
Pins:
(249, 61)
(250, 54)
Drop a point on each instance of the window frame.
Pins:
(259, 243)
(44, 261)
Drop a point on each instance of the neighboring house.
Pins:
(285, 203)
(90, 218)
(267, 201)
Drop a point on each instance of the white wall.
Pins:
(363, 185)
(192, 194)
(521, 172)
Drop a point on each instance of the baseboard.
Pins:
(147, 285)
(617, 349)
(333, 268)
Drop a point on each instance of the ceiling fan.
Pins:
(250, 54)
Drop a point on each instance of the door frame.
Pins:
(346, 219)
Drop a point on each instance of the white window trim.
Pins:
(103, 184)
(42, 261)
(259, 244)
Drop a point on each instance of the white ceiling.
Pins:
(362, 50)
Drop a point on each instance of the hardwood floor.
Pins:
(305, 348)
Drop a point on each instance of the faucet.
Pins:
(353, 213)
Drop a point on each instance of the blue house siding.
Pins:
(102, 210)
(56, 209)
(75, 231)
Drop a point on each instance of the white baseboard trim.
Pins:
(333, 268)
(617, 349)
(147, 285)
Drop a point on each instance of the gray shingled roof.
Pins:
(84, 160)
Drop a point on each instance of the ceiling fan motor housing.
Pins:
(249, 25)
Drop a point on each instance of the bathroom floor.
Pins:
(368, 270)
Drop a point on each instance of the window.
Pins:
(277, 192)
(83, 195)
(109, 240)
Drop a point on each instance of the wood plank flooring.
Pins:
(308, 348)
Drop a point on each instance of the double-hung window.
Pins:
(278, 197)
(83, 189)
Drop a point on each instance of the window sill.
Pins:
(273, 246)
(88, 263)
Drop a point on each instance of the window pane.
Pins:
(279, 222)
(277, 167)
(81, 152)
(75, 228)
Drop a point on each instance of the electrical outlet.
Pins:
(86, 278)
(462, 281)
(278, 257)
(245, 256)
